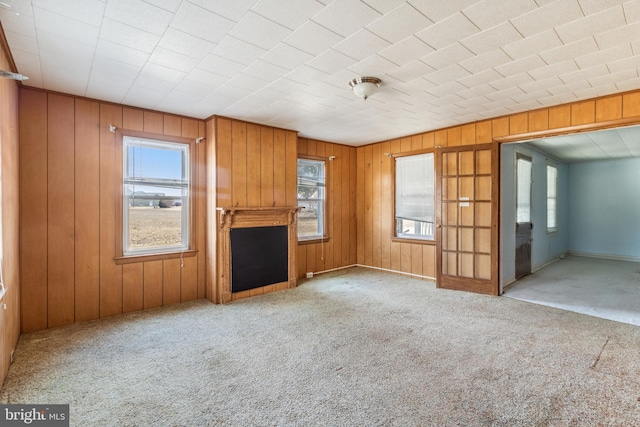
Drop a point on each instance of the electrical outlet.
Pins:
(309, 275)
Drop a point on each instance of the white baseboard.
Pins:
(546, 264)
(605, 256)
(433, 279)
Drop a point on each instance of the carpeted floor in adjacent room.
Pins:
(355, 347)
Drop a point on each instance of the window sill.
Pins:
(410, 240)
(312, 241)
(154, 257)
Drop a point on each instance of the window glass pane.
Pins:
(523, 190)
(552, 193)
(156, 202)
(415, 196)
(311, 195)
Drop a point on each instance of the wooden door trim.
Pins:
(491, 286)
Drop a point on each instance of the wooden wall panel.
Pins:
(33, 212)
(61, 217)
(87, 210)
(340, 249)
(10, 202)
(70, 168)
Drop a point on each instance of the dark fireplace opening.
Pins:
(259, 257)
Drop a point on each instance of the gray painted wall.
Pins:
(546, 247)
(605, 208)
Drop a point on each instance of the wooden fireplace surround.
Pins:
(246, 217)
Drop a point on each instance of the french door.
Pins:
(467, 218)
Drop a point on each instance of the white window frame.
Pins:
(321, 198)
(554, 197)
(401, 196)
(184, 184)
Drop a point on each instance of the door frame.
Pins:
(492, 285)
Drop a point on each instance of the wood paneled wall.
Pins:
(374, 180)
(341, 248)
(9, 315)
(68, 190)
(255, 166)
(375, 210)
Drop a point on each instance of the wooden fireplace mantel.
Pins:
(245, 217)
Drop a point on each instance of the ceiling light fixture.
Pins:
(364, 87)
(13, 76)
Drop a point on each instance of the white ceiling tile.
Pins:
(572, 50)
(265, 71)
(21, 42)
(170, 5)
(154, 75)
(118, 71)
(447, 56)
(87, 11)
(143, 97)
(387, 26)
(604, 56)
(244, 81)
(221, 66)
(624, 64)
(481, 78)
(238, 50)
(547, 17)
(126, 35)
(531, 45)
(286, 56)
(312, 38)
(260, 31)
(411, 71)
(76, 49)
(542, 84)
(492, 38)
(61, 80)
(614, 37)
(202, 23)
(632, 11)
(331, 61)
(448, 31)
(504, 94)
(186, 44)
(286, 86)
(598, 70)
(594, 6)
(233, 10)
(569, 88)
(446, 75)
(439, 10)
(173, 60)
(489, 13)
(447, 89)
(406, 51)
(29, 65)
(204, 78)
(345, 17)
(23, 24)
(485, 61)
(361, 45)
(554, 70)
(105, 90)
(116, 52)
(613, 78)
(520, 66)
(306, 74)
(373, 66)
(290, 14)
(383, 6)
(62, 26)
(606, 20)
(628, 85)
(139, 14)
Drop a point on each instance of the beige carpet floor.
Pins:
(355, 347)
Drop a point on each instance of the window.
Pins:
(312, 196)
(523, 189)
(156, 188)
(414, 187)
(552, 198)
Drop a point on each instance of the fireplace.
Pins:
(256, 251)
